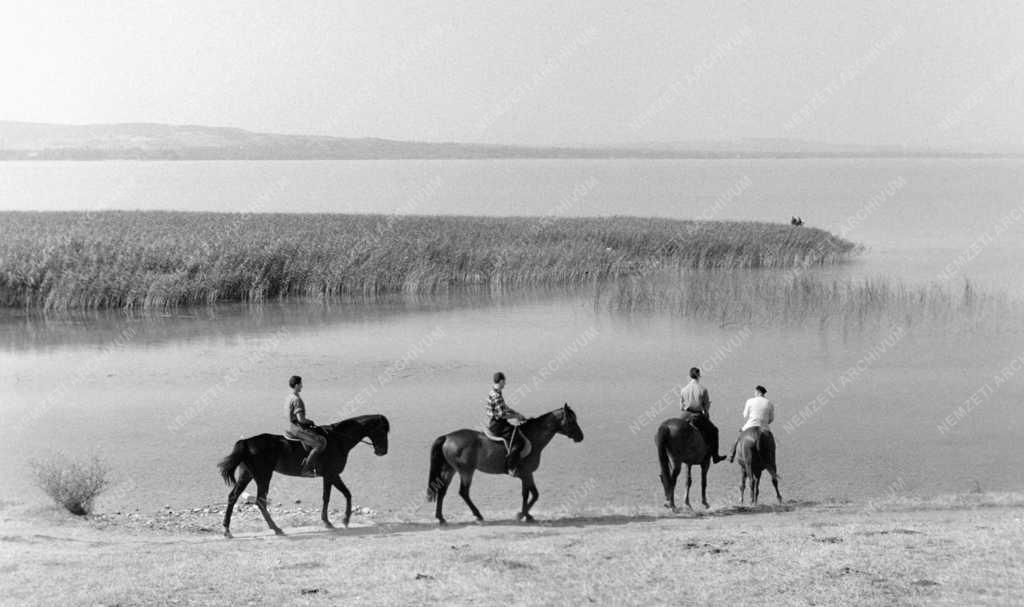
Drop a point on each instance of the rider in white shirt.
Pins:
(759, 412)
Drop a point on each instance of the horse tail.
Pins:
(440, 469)
(661, 439)
(228, 464)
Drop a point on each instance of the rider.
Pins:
(695, 401)
(499, 413)
(759, 411)
(303, 428)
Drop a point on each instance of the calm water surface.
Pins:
(427, 367)
(426, 364)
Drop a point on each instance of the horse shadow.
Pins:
(602, 520)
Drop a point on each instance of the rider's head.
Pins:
(760, 390)
(294, 381)
(499, 379)
(694, 373)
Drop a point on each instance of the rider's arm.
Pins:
(300, 415)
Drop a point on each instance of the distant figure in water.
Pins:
(759, 412)
(695, 404)
(796, 221)
(302, 428)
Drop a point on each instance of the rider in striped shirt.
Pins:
(499, 413)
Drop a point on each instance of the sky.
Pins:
(546, 73)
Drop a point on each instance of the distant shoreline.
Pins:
(555, 154)
(25, 141)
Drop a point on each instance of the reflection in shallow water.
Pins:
(852, 419)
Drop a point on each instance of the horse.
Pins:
(465, 451)
(755, 453)
(679, 442)
(260, 456)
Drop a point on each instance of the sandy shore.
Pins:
(965, 549)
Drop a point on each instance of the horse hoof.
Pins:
(529, 519)
(442, 522)
(345, 523)
(706, 506)
(227, 534)
(328, 525)
(278, 532)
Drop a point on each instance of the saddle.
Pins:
(288, 436)
(527, 447)
(689, 417)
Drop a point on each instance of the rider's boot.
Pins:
(512, 460)
(309, 464)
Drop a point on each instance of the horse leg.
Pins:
(689, 481)
(262, 488)
(704, 484)
(530, 496)
(244, 478)
(743, 484)
(775, 483)
(340, 486)
(526, 499)
(327, 500)
(755, 487)
(442, 488)
(465, 480)
(677, 468)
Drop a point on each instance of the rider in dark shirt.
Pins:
(302, 428)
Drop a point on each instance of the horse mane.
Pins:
(356, 422)
(544, 416)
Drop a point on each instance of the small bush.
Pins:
(71, 483)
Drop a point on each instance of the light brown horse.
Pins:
(466, 451)
(680, 443)
(755, 453)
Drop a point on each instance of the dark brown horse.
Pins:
(466, 451)
(680, 443)
(755, 453)
(259, 457)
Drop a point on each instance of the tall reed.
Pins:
(62, 261)
(770, 298)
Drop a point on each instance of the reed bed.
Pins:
(156, 260)
(770, 298)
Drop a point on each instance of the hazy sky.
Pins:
(920, 72)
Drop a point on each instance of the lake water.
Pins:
(131, 385)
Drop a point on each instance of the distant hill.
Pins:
(145, 141)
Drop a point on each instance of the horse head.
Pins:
(378, 434)
(568, 425)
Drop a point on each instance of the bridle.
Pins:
(369, 442)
